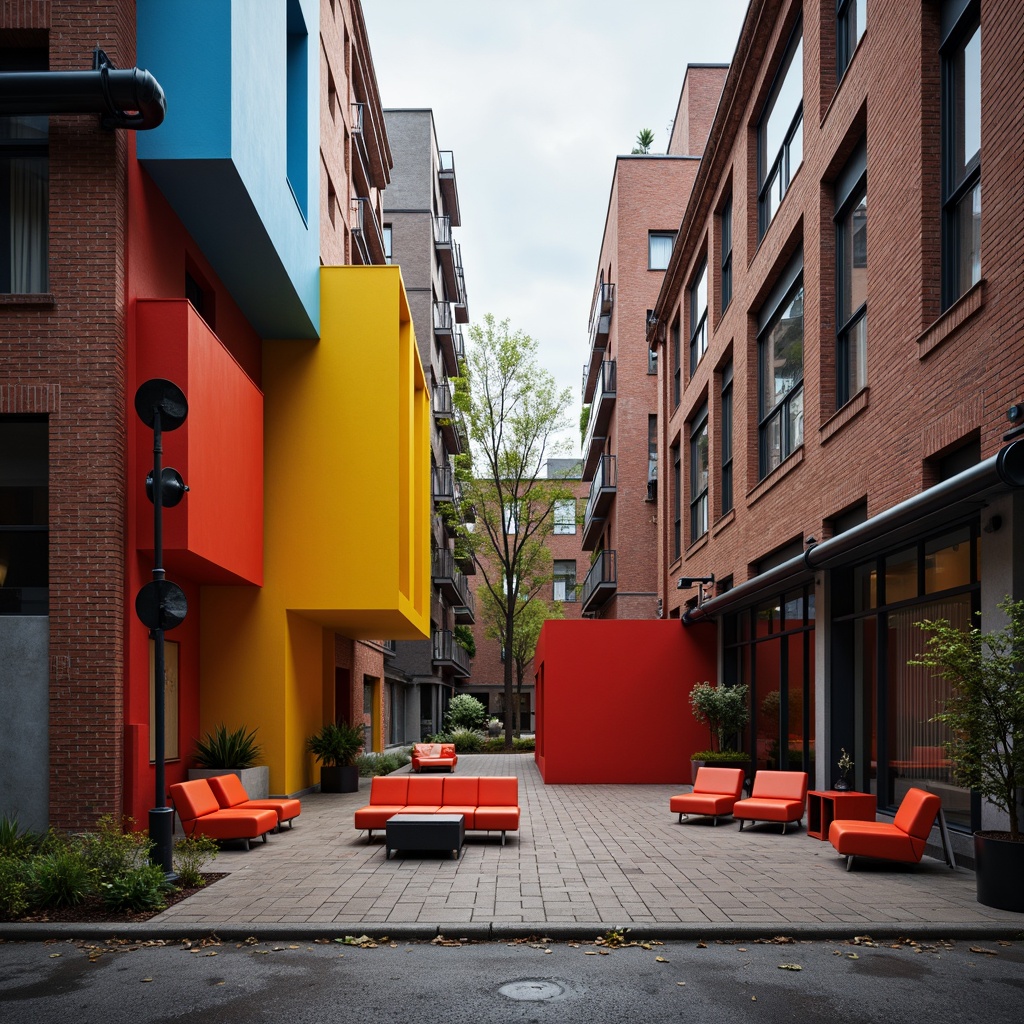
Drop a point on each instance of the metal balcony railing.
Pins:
(600, 584)
(602, 492)
(448, 654)
(600, 416)
(600, 325)
(449, 187)
(366, 232)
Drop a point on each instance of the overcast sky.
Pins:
(536, 99)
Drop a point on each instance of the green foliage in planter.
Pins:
(723, 709)
(336, 744)
(223, 749)
(521, 744)
(985, 710)
(191, 854)
(467, 741)
(737, 756)
(371, 765)
(465, 712)
(142, 888)
(14, 840)
(61, 879)
(14, 888)
(463, 636)
(113, 849)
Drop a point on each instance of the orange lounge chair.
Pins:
(715, 790)
(903, 839)
(201, 814)
(231, 794)
(775, 796)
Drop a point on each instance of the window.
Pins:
(24, 515)
(297, 106)
(565, 580)
(565, 515)
(387, 243)
(24, 190)
(961, 149)
(699, 317)
(677, 369)
(510, 517)
(851, 17)
(677, 502)
(659, 249)
(699, 475)
(780, 137)
(781, 376)
(725, 224)
(726, 460)
(652, 457)
(852, 278)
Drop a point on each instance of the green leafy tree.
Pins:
(723, 709)
(513, 413)
(644, 141)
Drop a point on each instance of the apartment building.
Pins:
(421, 215)
(838, 335)
(620, 382)
(233, 247)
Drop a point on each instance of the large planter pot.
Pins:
(256, 780)
(999, 868)
(343, 778)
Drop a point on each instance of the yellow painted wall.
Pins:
(346, 520)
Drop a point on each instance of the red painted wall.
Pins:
(613, 699)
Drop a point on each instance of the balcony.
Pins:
(445, 250)
(460, 344)
(600, 416)
(442, 484)
(600, 325)
(448, 419)
(449, 655)
(453, 586)
(444, 331)
(600, 583)
(367, 236)
(461, 301)
(602, 494)
(449, 189)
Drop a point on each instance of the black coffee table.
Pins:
(425, 832)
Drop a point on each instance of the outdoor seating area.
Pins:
(776, 797)
(715, 792)
(434, 755)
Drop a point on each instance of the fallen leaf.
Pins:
(147, 979)
(680, 982)
(590, 952)
(741, 949)
(753, 999)
(852, 956)
(53, 956)
(702, 944)
(790, 967)
(981, 949)
(660, 960)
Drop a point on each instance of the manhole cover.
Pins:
(532, 990)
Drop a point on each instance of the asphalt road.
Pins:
(841, 982)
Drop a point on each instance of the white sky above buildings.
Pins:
(536, 99)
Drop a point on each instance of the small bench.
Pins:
(775, 796)
(232, 795)
(715, 791)
(434, 755)
(201, 814)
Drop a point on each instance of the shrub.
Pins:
(337, 743)
(61, 878)
(142, 888)
(223, 749)
(14, 890)
(467, 741)
(114, 849)
(465, 712)
(496, 744)
(723, 709)
(15, 841)
(190, 856)
(381, 764)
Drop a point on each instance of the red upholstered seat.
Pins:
(461, 795)
(902, 840)
(715, 791)
(775, 796)
(388, 795)
(230, 793)
(201, 814)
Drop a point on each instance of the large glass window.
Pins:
(24, 516)
(780, 139)
(677, 502)
(659, 249)
(565, 515)
(677, 368)
(961, 153)
(725, 226)
(699, 316)
(565, 580)
(726, 460)
(781, 372)
(699, 474)
(852, 296)
(851, 17)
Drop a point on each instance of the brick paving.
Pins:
(585, 858)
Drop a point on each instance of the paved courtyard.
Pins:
(585, 858)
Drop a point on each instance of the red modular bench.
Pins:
(201, 814)
(434, 755)
(715, 791)
(903, 839)
(487, 803)
(775, 796)
(232, 795)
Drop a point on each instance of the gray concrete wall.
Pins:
(24, 718)
(410, 134)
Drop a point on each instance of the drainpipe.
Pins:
(104, 90)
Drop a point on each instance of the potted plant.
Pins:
(985, 718)
(494, 727)
(723, 709)
(336, 747)
(237, 752)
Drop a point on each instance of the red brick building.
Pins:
(839, 342)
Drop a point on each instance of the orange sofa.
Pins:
(232, 795)
(775, 796)
(487, 803)
(201, 814)
(903, 839)
(715, 790)
(434, 755)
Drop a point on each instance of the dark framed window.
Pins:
(780, 377)
(677, 365)
(725, 228)
(851, 17)
(699, 474)
(652, 456)
(565, 580)
(565, 515)
(961, 149)
(852, 279)
(677, 502)
(388, 236)
(698, 316)
(726, 459)
(780, 133)
(659, 249)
